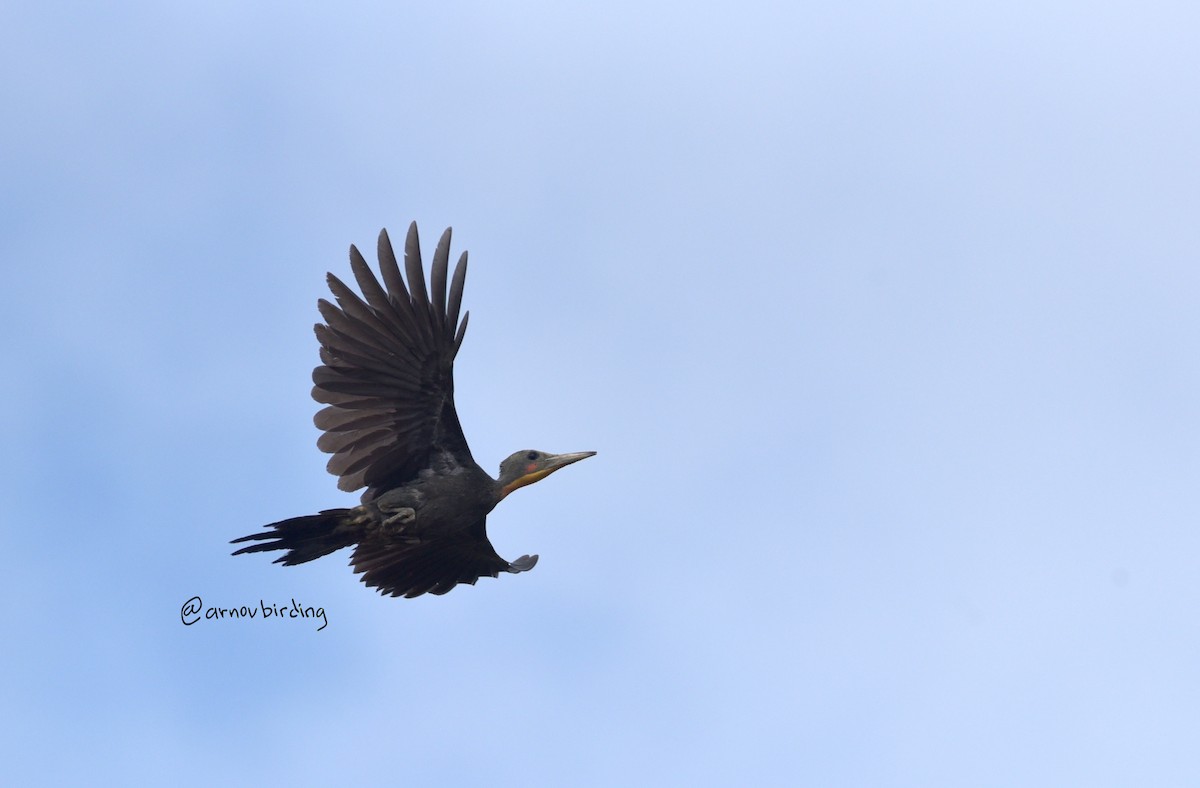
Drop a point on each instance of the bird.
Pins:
(386, 381)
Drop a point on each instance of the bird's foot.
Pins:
(396, 519)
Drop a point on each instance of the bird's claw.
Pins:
(398, 518)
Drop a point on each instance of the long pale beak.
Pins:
(546, 466)
(556, 461)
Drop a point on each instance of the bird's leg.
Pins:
(378, 519)
(359, 519)
(400, 517)
(395, 518)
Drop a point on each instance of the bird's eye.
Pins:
(533, 455)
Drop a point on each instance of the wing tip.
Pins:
(523, 564)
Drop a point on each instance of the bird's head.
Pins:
(529, 466)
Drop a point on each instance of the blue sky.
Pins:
(883, 319)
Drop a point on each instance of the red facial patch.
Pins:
(531, 467)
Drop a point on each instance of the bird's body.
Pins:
(390, 423)
(441, 504)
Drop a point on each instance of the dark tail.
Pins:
(305, 538)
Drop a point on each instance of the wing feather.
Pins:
(456, 291)
(387, 368)
(416, 279)
(434, 566)
(437, 278)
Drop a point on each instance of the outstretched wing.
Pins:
(433, 566)
(387, 369)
